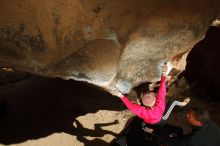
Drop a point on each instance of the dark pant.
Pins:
(134, 135)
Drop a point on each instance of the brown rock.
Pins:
(100, 41)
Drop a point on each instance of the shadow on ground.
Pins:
(37, 107)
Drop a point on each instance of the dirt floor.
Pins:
(40, 111)
(52, 112)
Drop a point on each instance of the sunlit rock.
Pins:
(101, 42)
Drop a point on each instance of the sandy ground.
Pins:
(53, 112)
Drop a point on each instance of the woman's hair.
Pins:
(201, 115)
(146, 92)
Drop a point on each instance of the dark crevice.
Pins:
(203, 66)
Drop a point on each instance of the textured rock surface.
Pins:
(101, 41)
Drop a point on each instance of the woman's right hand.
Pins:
(167, 68)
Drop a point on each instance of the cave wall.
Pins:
(102, 42)
(202, 70)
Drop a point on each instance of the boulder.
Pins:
(101, 42)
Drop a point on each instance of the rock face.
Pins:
(102, 42)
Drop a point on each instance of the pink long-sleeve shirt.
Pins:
(150, 115)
